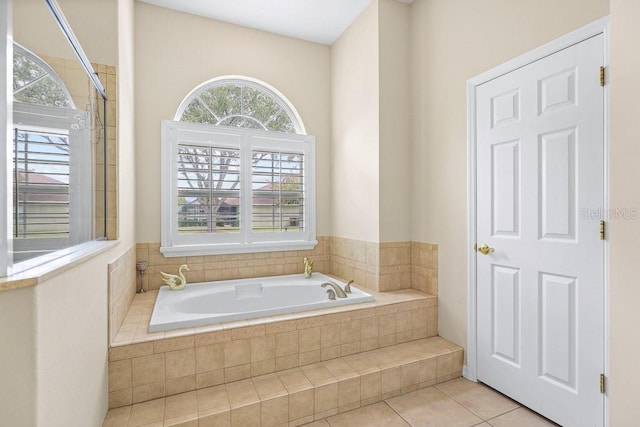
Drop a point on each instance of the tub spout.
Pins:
(339, 292)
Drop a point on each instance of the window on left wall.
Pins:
(51, 162)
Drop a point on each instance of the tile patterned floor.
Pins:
(456, 403)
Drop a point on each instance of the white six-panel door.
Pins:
(540, 288)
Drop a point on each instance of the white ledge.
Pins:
(37, 270)
(236, 248)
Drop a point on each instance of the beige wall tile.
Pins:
(242, 393)
(263, 348)
(148, 369)
(351, 348)
(237, 373)
(245, 415)
(286, 343)
(309, 339)
(391, 380)
(427, 370)
(171, 344)
(147, 413)
(350, 332)
(330, 353)
(330, 336)
(286, 362)
(269, 386)
(387, 324)
(326, 397)
(368, 328)
(120, 375)
(180, 363)
(444, 365)
(301, 404)
(180, 385)
(120, 398)
(370, 344)
(183, 404)
(147, 392)
(209, 379)
(371, 385)
(309, 357)
(263, 367)
(209, 358)
(212, 338)
(348, 392)
(410, 374)
(214, 398)
(221, 419)
(237, 353)
(274, 412)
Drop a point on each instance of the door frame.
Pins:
(600, 26)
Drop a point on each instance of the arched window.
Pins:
(51, 180)
(238, 172)
(240, 102)
(35, 82)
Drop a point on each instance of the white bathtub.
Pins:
(207, 303)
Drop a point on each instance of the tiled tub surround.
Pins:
(122, 289)
(376, 266)
(301, 395)
(145, 366)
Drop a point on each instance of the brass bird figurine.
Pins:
(174, 282)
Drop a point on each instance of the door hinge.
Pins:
(602, 76)
(601, 229)
(602, 383)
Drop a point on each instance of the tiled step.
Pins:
(300, 395)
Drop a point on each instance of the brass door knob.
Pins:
(485, 249)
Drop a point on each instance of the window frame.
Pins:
(241, 81)
(174, 244)
(56, 119)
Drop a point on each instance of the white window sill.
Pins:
(40, 269)
(236, 248)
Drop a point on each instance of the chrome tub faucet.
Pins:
(338, 290)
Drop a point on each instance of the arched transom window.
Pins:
(240, 102)
(238, 172)
(35, 82)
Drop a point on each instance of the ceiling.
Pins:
(320, 21)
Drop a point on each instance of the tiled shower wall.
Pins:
(377, 266)
(84, 96)
(122, 289)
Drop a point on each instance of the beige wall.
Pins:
(624, 232)
(92, 21)
(175, 52)
(452, 42)
(17, 353)
(395, 117)
(355, 130)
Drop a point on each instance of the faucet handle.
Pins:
(347, 287)
(331, 293)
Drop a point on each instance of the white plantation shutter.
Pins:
(278, 196)
(233, 190)
(41, 163)
(208, 181)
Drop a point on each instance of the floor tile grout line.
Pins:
(397, 413)
(471, 410)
